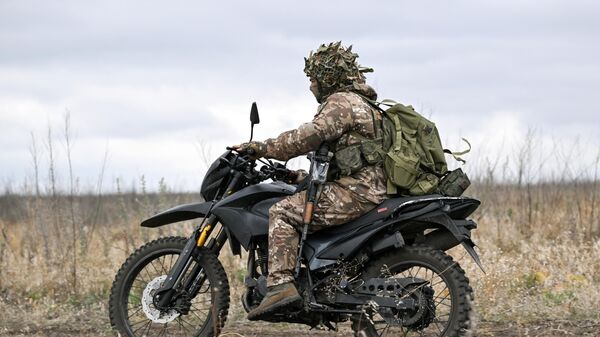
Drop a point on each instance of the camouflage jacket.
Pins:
(340, 113)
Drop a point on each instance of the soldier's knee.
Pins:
(273, 211)
(277, 209)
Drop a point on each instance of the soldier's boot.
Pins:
(277, 298)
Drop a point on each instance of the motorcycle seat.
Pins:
(382, 211)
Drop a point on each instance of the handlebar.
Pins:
(269, 170)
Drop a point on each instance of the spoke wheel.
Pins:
(132, 309)
(444, 301)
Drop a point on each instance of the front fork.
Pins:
(175, 281)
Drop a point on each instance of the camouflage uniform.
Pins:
(341, 200)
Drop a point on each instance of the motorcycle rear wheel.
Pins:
(132, 312)
(450, 315)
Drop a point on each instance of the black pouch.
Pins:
(348, 160)
(454, 183)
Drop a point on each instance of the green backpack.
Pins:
(413, 156)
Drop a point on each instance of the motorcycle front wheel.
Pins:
(444, 301)
(131, 307)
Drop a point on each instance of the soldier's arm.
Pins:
(334, 119)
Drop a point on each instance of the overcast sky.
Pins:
(149, 81)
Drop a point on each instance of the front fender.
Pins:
(178, 213)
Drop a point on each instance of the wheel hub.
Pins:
(148, 306)
(418, 317)
(423, 315)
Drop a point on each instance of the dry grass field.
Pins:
(58, 255)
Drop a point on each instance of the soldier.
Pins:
(344, 119)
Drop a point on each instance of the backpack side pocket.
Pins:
(402, 167)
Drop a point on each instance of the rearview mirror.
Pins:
(254, 119)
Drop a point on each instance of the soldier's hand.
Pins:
(253, 149)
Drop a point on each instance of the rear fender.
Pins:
(449, 233)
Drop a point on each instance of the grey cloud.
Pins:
(462, 61)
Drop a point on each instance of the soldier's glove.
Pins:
(296, 177)
(252, 149)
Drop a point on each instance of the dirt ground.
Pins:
(485, 329)
(94, 323)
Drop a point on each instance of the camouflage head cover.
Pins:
(334, 67)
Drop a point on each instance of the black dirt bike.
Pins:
(386, 272)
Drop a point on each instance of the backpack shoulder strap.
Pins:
(373, 103)
(388, 102)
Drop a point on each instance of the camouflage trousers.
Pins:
(336, 205)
